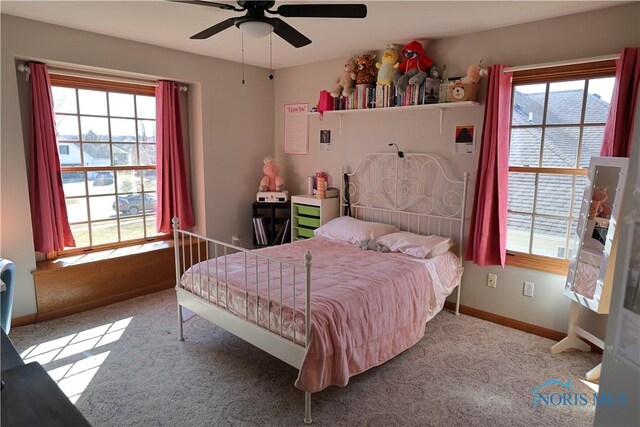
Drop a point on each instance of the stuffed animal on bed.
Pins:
(414, 67)
(345, 81)
(372, 245)
(271, 181)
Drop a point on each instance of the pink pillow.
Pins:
(415, 244)
(353, 230)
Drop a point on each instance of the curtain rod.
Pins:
(561, 63)
(23, 67)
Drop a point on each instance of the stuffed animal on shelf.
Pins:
(389, 60)
(414, 67)
(271, 181)
(466, 88)
(345, 81)
(474, 72)
(366, 71)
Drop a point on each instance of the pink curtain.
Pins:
(487, 242)
(619, 128)
(51, 230)
(173, 189)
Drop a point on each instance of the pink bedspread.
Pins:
(366, 307)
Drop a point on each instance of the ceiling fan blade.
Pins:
(323, 10)
(208, 3)
(288, 33)
(220, 26)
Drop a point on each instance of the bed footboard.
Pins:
(252, 325)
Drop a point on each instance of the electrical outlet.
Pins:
(235, 240)
(492, 280)
(527, 289)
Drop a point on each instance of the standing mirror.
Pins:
(591, 267)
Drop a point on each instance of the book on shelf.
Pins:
(281, 237)
(258, 228)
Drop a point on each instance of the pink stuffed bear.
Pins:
(601, 208)
(271, 181)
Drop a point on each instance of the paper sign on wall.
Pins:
(296, 131)
(464, 142)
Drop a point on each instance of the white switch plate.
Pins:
(492, 280)
(527, 289)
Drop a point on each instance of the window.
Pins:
(557, 124)
(106, 141)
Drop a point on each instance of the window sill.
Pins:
(539, 263)
(101, 255)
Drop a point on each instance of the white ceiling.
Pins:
(168, 24)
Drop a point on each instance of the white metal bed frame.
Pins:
(382, 188)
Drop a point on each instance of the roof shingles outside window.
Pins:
(561, 148)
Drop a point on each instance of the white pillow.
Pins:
(353, 230)
(415, 244)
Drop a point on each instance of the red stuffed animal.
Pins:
(414, 67)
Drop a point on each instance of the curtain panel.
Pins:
(487, 243)
(49, 220)
(173, 190)
(619, 128)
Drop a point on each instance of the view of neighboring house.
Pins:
(556, 195)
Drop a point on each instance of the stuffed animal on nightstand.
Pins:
(389, 60)
(271, 181)
(345, 81)
(414, 67)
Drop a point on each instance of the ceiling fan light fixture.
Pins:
(255, 29)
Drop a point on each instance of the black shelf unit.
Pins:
(274, 216)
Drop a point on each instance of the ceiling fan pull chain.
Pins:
(271, 55)
(242, 38)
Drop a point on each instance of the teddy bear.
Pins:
(474, 72)
(389, 60)
(366, 72)
(345, 81)
(414, 67)
(466, 88)
(271, 181)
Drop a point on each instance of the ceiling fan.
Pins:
(256, 24)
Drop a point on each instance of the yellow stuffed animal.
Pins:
(385, 69)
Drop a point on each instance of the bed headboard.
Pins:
(416, 193)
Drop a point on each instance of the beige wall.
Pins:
(578, 36)
(231, 128)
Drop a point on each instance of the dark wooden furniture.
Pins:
(10, 356)
(29, 396)
(274, 217)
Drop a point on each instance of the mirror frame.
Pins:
(600, 301)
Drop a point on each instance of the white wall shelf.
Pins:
(439, 106)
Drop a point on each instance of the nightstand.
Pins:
(309, 213)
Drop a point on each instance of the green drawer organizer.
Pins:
(307, 210)
(305, 221)
(303, 233)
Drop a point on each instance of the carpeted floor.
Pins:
(123, 365)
